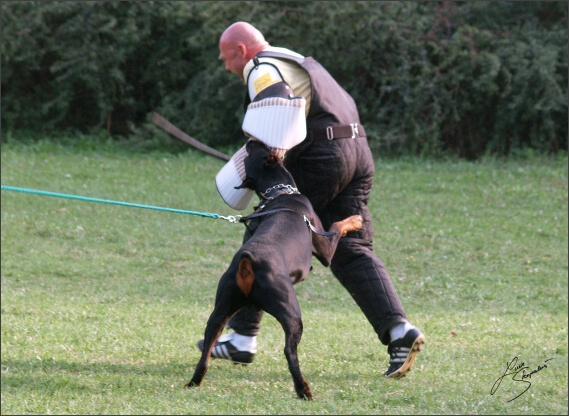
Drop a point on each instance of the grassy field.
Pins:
(102, 305)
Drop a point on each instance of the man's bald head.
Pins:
(238, 44)
(246, 34)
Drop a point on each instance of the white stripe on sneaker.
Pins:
(400, 356)
(220, 351)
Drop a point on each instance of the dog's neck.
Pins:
(278, 190)
(275, 191)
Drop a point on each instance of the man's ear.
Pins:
(241, 50)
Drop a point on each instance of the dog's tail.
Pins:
(245, 276)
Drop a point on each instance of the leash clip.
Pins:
(314, 229)
(232, 218)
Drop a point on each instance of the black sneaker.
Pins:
(227, 351)
(402, 353)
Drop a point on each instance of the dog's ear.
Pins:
(271, 161)
(253, 144)
(247, 183)
(250, 145)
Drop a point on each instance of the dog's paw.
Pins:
(358, 222)
(353, 223)
(306, 395)
(191, 384)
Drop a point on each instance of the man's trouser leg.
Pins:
(365, 278)
(246, 321)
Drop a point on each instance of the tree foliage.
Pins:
(467, 78)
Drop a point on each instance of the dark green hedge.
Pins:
(467, 78)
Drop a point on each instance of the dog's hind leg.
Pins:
(229, 300)
(287, 311)
(212, 333)
(293, 333)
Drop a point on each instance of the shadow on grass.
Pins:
(53, 375)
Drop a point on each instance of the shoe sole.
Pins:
(236, 358)
(231, 360)
(238, 363)
(406, 367)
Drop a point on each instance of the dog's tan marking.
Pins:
(353, 223)
(245, 276)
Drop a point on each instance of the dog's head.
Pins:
(263, 168)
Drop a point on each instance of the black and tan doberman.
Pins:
(276, 255)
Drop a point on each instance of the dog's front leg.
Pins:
(324, 247)
(352, 223)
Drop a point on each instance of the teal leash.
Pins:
(230, 218)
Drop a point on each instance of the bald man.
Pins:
(333, 166)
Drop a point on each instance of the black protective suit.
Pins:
(337, 176)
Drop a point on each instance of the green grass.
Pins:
(102, 305)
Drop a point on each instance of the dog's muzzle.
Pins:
(230, 176)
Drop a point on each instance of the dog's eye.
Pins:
(271, 161)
